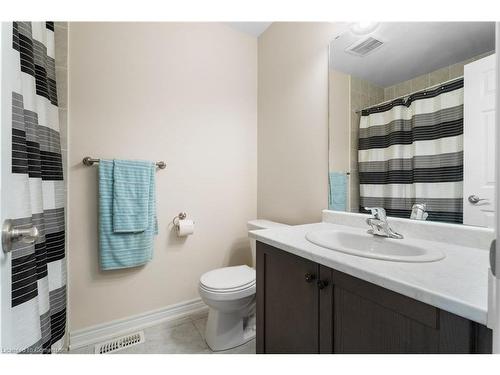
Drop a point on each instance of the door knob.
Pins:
(322, 284)
(475, 199)
(309, 277)
(11, 235)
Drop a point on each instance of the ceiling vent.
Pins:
(364, 46)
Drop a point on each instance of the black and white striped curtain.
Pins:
(35, 319)
(411, 151)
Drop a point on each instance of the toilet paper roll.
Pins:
(185, 227)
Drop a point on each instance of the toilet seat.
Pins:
(228, 295)
(228, 283)
(228, 278)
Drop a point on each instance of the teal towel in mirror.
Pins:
(338, 191)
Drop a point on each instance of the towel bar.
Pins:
(88, 161)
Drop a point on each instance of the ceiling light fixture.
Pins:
(364, 27)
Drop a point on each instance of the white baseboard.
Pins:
(100, 332)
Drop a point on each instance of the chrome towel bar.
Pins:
(88, 161)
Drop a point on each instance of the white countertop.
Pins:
(458, 283)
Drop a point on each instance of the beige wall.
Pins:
(293, 121)
(340, 116)
(183, 93)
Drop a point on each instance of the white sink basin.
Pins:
(366, 245)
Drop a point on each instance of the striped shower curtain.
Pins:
(411, 151)
(35, 319)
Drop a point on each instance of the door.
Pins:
(4, 154)
(287, 302)
(32, 259)
(494, 279)
(479, 142)
(2, 138)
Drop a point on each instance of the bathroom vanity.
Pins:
(316, 300)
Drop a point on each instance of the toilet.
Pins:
(229, 293)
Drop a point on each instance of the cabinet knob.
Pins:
(322, 284)
(309, 277)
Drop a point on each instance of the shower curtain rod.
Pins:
(410, 94)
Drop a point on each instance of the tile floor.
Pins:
(182, 336)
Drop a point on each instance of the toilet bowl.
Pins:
(229, 293)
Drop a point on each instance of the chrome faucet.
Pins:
(379, 225)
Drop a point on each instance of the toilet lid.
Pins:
(228, 278)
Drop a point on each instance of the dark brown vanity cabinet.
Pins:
(304, 307)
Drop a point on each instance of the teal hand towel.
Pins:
(132, 181)
(123, 249)
(338, 191)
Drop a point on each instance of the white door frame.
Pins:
(1, 171)
(5, 29)
(496, 318)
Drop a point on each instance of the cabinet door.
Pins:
(369, 319)
(287, 302)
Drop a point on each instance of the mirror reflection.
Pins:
(412, 121)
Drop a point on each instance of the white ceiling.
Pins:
(252, 28)
(412, 48)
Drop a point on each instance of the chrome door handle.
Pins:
(475, 199)
(11, 235)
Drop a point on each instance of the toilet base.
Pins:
(228, 330)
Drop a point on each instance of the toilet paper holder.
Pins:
(180, 216)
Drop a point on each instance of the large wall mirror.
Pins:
(412, 120)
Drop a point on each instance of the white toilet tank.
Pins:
(260, 224)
